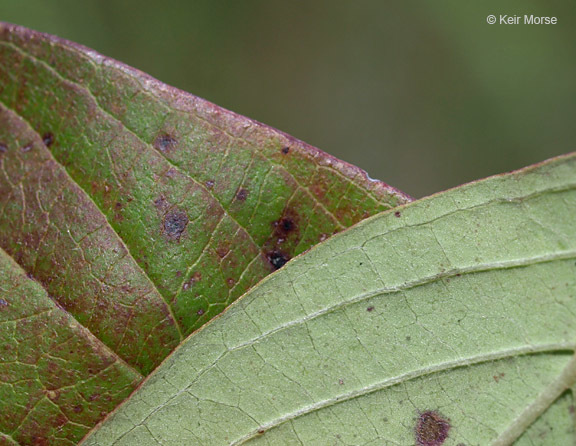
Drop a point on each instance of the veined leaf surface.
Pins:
(449, 321)
(141, 212)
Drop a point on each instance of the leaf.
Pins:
(448, 321)
(141, 212)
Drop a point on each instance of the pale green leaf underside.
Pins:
(463, 303)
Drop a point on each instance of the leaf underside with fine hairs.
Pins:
(448, 321)
(131, 213)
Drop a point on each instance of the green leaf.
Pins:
(448, 321)
(141, 212)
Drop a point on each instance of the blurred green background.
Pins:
(424, 95)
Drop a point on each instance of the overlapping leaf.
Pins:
(450, 321)
(140, 212)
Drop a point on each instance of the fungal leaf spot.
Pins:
(242, 194)
(174, 224)
(48, 139)
(277, 259)
(431, 429)
(165, 143)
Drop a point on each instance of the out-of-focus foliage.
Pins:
(425, 95)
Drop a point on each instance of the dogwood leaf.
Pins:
(141, 212)
(448, 321)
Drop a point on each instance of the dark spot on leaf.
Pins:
(178, 273)
(161, 204)
(200, 312)
(210, 184)
(222, 251)
(196, 277)
(397, 214)
(171, 173)
(370, 309)
(361, 263)
(230, 281)
(285, 150)
(431, 429)
(165, 143)
(499, 376)
(3, 303)
(174, 224)
(408, 338)
(3, 148)
(118, 205)
(277, 259)
(286, 225)
(78, 409)
(48, 139)
(242, 194)
(94, 397)
(341, 382)
(261, 431)
(27, 147)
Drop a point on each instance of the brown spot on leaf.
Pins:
(48, 139)
(498, 377)
(277, 259)
(196, 277)
(285, 226)
(370, 309)
(242, 194)
(210, 184)
(165, 143)
(78, 409)
(171, 173)
(431, 429)
(230, 281)
(261, 431)
(3, 148)
(222, 251)
(285, 150)
(161, 204)
(397, 214)
(174, 224)
(200, 312)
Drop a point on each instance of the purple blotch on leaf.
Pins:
(431, 429)
(48, 139)
(165, 143)
(174, 224)
(242, 194)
